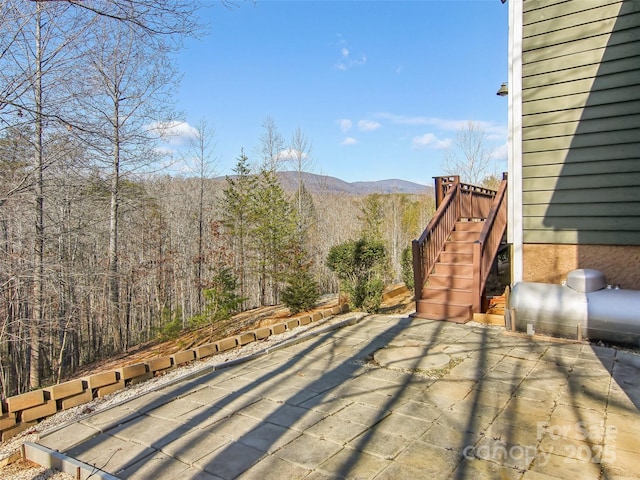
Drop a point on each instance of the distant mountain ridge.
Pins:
(323, 183)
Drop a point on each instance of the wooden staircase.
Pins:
(453, 256)
(448, 294)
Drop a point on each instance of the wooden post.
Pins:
(477, 276)
(418, 265)
(440, 186)
(439, 190)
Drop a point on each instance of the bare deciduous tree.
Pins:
(169, 18)
(300, 157)
(271, 146)
(131, 90)
(38, 49)
(200, 150)
(470, 155)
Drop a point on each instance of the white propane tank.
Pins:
(584, 306)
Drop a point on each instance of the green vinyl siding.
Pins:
(584, 100)
(578, 183)
(589, 57)
(590, 126)
(610, 112)
(602, 209)
(583, 85)
(581, 198)
(593, 154)
(577, 169)
(558, 77)
(586, 31)
(608, 224)
(580, 140)
(581, 122)
(542, 18)
(590, 237)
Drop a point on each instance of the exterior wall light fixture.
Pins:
(503, 91)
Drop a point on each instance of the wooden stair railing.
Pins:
(458, 205)
(487, 245)
(427, 248)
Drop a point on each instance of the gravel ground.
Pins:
(29, 471)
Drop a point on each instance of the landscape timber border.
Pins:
(24, 411)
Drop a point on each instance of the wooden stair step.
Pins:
(448, 295)
(463, 258)
(469, 226)
(460, 247)
(448, 281)
(453, 269)
(444, 310)
(464, 236)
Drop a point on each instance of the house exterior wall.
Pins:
(580, 129)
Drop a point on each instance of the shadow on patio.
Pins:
(505, 406)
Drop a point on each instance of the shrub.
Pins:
(372, 297)
(221, 299)
(173, 324)
(301, 293)
(406, 262)
(359, 265)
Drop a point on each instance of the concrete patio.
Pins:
(499, 406)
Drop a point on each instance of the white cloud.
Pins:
(492, 130)
(290, 154)
(349, 141)
(165, 151)
(175, 133)
(347, 61)
(444, 144)
(401, 119)
(449, 125)
(345, 124)
(496, 132)
(502, 152)
(440, 123)
(429, 140)
(343, 66)
(359, 63)
(368, 125)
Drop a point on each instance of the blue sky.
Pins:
(379, 88)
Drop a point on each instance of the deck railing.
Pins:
(475, 202)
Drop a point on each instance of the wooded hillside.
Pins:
(102, 246)
(162, 275)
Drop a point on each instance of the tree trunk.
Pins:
(114, 281)
(34, 360)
